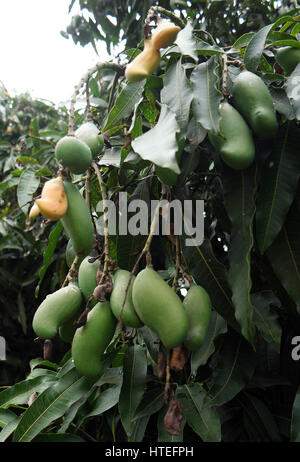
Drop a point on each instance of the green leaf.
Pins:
(8, 422)
(282, 103)
(124, 104)
(177, 94)
(211, 274)
(105, 401)
(134, 378)
(151, 340)
(233, 366)
(265, 318)
(207, 97)
(153, 401)
(260, 418)
(293, 90)
(243, 41)
(21, 391)
(128, 246)
(27, 186)
(295, 420)
(159, 144)
(255, 48)
(279, 179)
(240, 189)
(48, 254)
(186, 42)
(57, 438)
(200, 415)
(284, 255)
(139, 428)
(51, 405)
(200, 357)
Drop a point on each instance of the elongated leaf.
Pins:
(139, 428)
(265, 319)
(282, 103)
(295, 420)
(216, 327)
(21, 391)
(211, 274)
(128, 246)
(284, 255)
(240, 189)
(51, 405)
(159, 144)
(163, 435)
(293, 89)
(153, 401)
(135, 370)
(48, 254)
(152, 341)
(279, 179)
(9, 428)
(255, 48)
(233, 366)
(261, 419)
(106, 400)
(187, 42)
(177, 94)
(243, 41)
(27, 186)
(207, 97)
(58, 438)
(199, 413)
(124, 104)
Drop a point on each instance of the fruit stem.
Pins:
(89, 115)
(105, 214)
(71, 272)
(98, 67)
(143, 252)
(168, 14)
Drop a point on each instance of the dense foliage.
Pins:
(242, 383)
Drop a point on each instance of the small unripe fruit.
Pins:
(73, 154)
(144, 64)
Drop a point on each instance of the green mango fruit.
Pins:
(159, 307)
(120, 282)
(288, 58)
(73, 154)
(56, 309)
(90, 341)
(253, 100)
(87, 277)
(197, 305)
(234, 143)
(89, 133)
(77, 221)
(70, 254)
(67, 329)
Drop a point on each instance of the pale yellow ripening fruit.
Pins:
(144, 64)
(53, 203)
(165, 34)
(34, 212)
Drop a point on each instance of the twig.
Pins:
(83, 80)
(105, 213)
(175, 280)
(89, 115)
(167, 14)
(143, 252)
(69, 276)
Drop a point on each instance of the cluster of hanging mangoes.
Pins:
(252, 113)
(150, 301)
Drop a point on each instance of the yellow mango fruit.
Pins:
(53, 203)
(144, 64)
(165, 34)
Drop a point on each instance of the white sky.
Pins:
(33, 54)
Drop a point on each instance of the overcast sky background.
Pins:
(34, 55)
